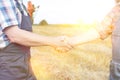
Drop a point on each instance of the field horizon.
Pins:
(89, 61)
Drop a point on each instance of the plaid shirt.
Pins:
(107, 25)
(9, 16)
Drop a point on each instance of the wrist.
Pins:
(50, 41)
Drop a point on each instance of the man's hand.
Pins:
(62, 44)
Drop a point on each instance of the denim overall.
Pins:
(115, 63)
(15, 58)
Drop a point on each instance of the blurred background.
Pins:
(89, 61)
(70, 11)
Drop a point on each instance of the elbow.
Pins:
(12, 34)
(12, 39)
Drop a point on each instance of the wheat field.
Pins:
(89, 61)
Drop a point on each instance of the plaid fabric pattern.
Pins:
(106, 26)
(9, 16)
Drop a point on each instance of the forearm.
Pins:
(26, 38)
(92, 34)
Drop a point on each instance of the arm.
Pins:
(26, 38)
(90, 35)
(8, 20)
(102, 31)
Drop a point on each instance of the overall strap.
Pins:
(26, 23)
(21, 7)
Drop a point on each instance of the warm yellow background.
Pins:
(89, 61)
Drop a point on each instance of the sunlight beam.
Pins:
(72, 11)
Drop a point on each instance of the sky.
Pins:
(71, 11)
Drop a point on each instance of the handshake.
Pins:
(64, 43)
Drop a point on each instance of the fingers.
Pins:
(60, 49)
(65, 45)
(67, 42)
(63, 38)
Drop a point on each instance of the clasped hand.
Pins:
(63, 44)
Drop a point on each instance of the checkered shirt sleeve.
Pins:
(8, 17)
(8, 14)
(105, 28)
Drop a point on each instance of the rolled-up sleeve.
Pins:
(8, 14)
(106, 27)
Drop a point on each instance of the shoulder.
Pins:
(7, 3)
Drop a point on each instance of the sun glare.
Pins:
(72, 11)
(94, 10)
